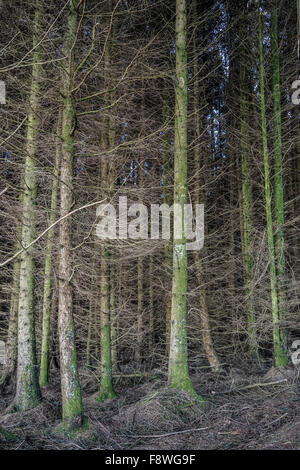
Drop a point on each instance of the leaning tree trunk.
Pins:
(279, 354)
(72, 409)
(28, 392)
(178, 373)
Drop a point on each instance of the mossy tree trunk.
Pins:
(247, 199)
(106, 386)
(28, 392)
(278, 172)
(279, 353)
(178, 373)
(70, 388)
(167, 186)
(11, 348)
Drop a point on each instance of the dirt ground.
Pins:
(257, 411)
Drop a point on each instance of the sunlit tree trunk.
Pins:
(28, 392)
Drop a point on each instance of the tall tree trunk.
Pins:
(279, 354)
(167, 186)
(106, 387)
(178, 374)
(28, 392)
(247, 200)
(70, 388)
(278, 173)
(48, 265)
(107, 181)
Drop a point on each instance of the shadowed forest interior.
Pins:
(114, 332)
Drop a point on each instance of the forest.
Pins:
(149, 225)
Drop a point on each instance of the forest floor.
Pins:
(256, 411)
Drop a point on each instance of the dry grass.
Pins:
(148, 415)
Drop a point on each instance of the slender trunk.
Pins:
(140, 309)
(151, 306)
(167, 186)
(247, 203)
(48, 266)
(279, 354)
(106, 387)
(140, 263)
(113, 320)
(178, 374)
(72, 409)
(278, 173)
(28, 392)
(108, 136)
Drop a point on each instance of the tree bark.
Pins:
(28, 392)
(279, 354)
(48, 265)
(70, 388)
(178, 373)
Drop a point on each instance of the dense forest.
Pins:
(149, 224)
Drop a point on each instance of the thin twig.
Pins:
(167, 434)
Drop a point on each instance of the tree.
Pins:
(247, 199)
(48, 265)
(278, 174)
(279, 354)
(72, 408)
(178, 358)
(28, 392)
